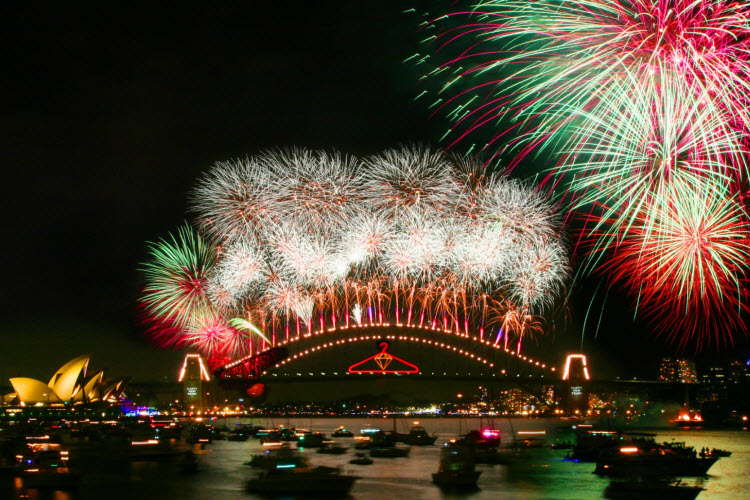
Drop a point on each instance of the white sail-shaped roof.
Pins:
(31, 391)
(66, 379)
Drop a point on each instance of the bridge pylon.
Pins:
(575, 378)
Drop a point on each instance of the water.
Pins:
(539, 474)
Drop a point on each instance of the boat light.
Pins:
(629, 449)
(140, 443)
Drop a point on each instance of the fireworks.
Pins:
(685, 256)
(299, 241)
(644, 106)
(558, 66)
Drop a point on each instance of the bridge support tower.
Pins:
(575, 393)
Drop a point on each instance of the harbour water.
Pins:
(534, 473)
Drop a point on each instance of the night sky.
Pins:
(111, 116)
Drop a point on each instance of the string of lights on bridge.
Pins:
(433, 343)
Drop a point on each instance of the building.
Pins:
(69, 385)
(677, 370)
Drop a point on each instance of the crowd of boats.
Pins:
(641, 467)
(39, 456)
(286, 470)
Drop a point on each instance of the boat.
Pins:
(264, 433)
(342, 432)
(45, 466)
(650, 461)
(311, 440)
(376, 439)
(361, 459)
(715, 452)
(651, 490)
(591, 444)
(688, 418)
(456, 469)
(485, 438)
(237, 436)
(331, 448)
(304, 480)
(200, 434)
(278, 455)
(418, 436)
(483, 446)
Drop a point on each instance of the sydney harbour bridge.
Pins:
(386, 350)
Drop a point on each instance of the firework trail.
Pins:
(298, 241)
(685, 256)
(641, 102)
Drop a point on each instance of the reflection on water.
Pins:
(538, 473)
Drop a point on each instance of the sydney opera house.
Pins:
(69, 385)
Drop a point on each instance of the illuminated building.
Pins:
(576, 376)
(677, 370)
(192, 375)
(738, 372)
(68, 385)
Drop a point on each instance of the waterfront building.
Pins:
(677, 370)
(69, 385)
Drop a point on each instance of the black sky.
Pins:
(111, 115)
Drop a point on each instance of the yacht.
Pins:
(654, 460)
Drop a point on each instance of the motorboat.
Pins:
(361, 459)
(278, 455)
(311, 440)
(200, 434)
(485, 438)
(651, 490)
(418, 436)
(304, 480)
(377, 439)
(483, 446)
(342, 432)
(456, 469)
(650, 461)
(591, 444)
(237, 435)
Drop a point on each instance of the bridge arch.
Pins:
(490, 358)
